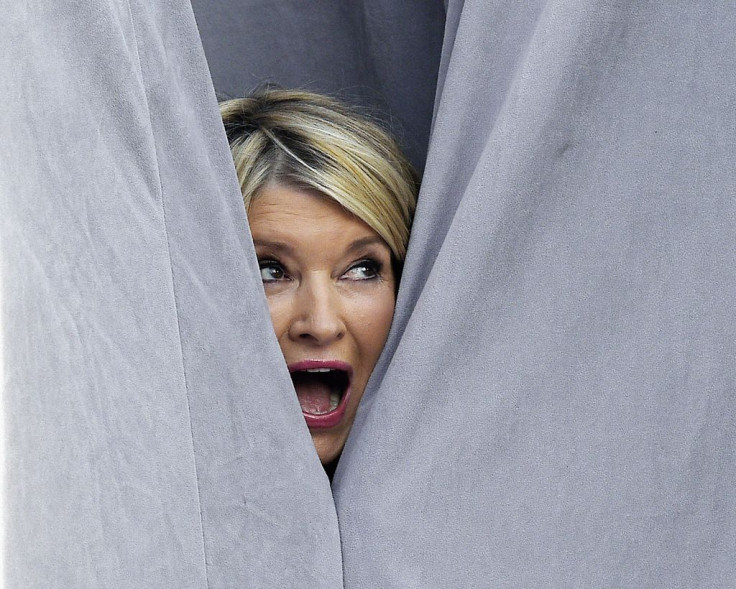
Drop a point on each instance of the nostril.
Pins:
(320, 329)
(319, 335)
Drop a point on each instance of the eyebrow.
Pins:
(279, 246)
(365, 241)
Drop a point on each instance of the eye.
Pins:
(271, 271)
(363, 270)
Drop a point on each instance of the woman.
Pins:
(330, 199)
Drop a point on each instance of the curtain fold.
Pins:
(556, 404)
(152, 436)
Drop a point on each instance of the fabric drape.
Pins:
(380, 55)
(151, 437)
(555, 406)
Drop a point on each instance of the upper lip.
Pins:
(304, 365)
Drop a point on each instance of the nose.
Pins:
(318, 315)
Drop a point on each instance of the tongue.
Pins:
(313, 394)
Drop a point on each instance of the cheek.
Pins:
(373, 321)
(279, 311)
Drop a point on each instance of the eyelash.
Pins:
(374, 267)
(274, 264)
(371, 266)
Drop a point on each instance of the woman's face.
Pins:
(330, 289)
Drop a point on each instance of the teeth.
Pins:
(334, 401)
(318, 370)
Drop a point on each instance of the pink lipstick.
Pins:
(323, 389)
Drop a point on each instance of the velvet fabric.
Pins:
(152, 438)
(555, 405)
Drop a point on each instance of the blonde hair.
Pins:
(313, 142)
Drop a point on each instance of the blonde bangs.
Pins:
(310, 141)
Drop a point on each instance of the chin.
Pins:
(329, 446)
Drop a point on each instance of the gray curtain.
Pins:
(382, 55)
(151, 436)
(558, 405)
(555, 406)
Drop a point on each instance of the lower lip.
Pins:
(331, 419)
(334, 417)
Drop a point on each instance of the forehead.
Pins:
(290, 213)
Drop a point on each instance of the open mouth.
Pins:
(323, 389)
